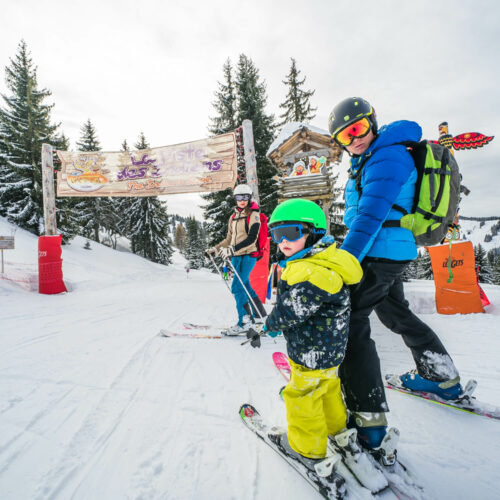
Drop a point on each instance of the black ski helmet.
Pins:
(349, 111)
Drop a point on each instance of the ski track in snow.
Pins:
(94, 404)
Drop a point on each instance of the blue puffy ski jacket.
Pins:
(387, 177)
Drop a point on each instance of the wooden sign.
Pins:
(6, 242)
(194, 167)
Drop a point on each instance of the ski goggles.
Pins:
(353, 131)
(289, 232)
(242, 197)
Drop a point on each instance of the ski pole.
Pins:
(244, 288)
(220, 274)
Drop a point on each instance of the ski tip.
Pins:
(281, 391)
(279, 355)
(247, 411)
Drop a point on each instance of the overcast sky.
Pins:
(153, 66)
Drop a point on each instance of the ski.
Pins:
(281, 362)
(168, 333)
(222, 330)
(466, 403)
(326, 481)
(197, 335)
(192, 326)
(399, 479)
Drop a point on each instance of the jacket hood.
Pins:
(396, 132)
(325, 253)
(393, 133)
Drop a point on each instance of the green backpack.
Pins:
(437, 193)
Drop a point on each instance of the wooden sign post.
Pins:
(49, 199)
(6, 243)
(250, 160)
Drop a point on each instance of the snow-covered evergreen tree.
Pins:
(148, 222)
(25, 124)
(180, 239)
(225, 104)
(194, 252)
(220, 204)
(410, 272)
(485, 273)
(495, 267)
(424, 266)
(93, 214)
(297, 106)
(251, 103)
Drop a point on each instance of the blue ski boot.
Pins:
(371, 427)
(448, 389)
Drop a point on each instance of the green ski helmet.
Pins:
(348, 111)
(299, 210)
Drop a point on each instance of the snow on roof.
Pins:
(289, 129)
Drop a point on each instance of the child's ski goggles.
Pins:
(353, 131)
(242, 197)
(289, 232)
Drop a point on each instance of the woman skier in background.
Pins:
(239, 245)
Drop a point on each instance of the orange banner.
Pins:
(461, 296)
(194, 167)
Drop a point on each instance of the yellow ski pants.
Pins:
(314, 409)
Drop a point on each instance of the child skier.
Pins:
(312, 311)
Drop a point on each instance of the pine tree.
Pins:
(251, 102)
(424, 266)
(496, 270)
(410, 272)
(224, 104)
(180, 239)
(485, 273)
(194, 248)
(149, 224)
(220, 204)
(297, 106)
(25, 125)
(99, 213)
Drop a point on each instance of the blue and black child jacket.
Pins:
(387, 177)
(313, 304)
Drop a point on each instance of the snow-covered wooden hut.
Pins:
(305, 156)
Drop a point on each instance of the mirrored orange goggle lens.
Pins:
(356, 129)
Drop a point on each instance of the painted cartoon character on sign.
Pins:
(299, 169)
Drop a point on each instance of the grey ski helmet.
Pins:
(349, 111)
(243, 189)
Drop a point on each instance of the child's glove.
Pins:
(271, 334)
(211, 251)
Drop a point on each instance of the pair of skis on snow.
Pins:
(362, 473)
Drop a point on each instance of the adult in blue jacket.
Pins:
(380, 189)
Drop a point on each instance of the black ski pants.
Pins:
(381, 289)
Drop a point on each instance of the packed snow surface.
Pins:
(94, 404)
